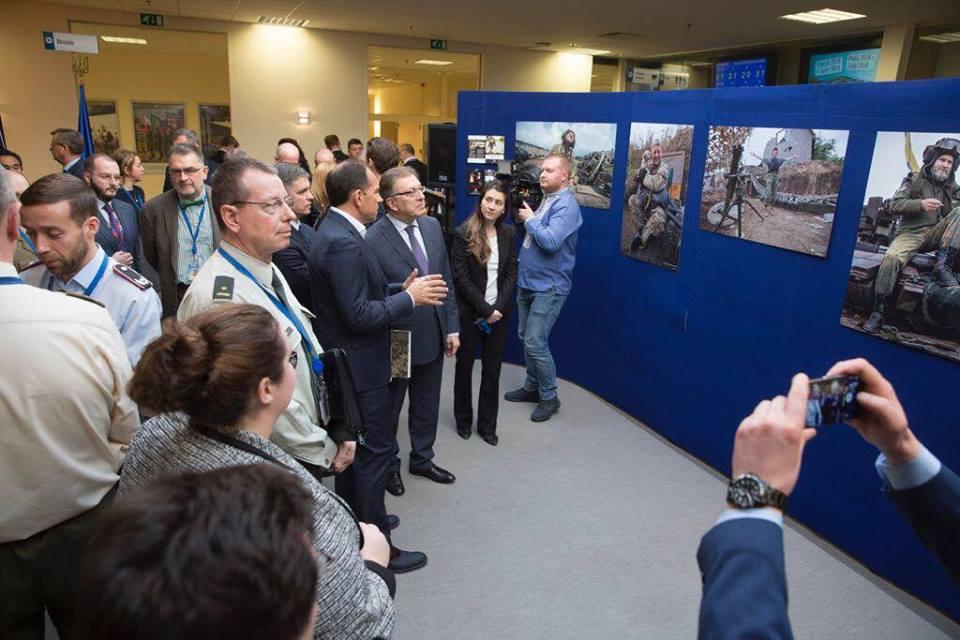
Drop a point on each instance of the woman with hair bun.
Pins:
(221, 379)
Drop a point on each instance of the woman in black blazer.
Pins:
(483, 246)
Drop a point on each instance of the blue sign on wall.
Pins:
(741, 73)
(844, 66)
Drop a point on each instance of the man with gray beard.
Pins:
(927, 203)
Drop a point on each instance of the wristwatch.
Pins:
(748, 491)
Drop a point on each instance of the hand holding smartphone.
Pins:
(833, 400)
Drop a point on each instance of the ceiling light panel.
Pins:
(282, 22)
(119, 40)
(823, 16)
(434, 63)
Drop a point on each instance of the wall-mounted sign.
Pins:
(70, 42)
(151, 20)
(438, 44)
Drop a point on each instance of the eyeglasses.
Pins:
(189, 171)
(273, 206)
(412, 192)
(293, 358)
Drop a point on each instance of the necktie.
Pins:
(115, 227)
(418, 253)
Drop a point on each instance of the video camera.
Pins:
(523, 185)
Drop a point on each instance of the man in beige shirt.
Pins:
(66, 423)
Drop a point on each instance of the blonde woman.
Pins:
(131, 172)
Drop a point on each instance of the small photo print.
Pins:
(476, 149)
(495, 147)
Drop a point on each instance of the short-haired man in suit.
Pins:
(177, 228)
(119, 232)
(292, 260)
(382, 155)
(190, 137)
(403, 240)
(325, 156)
(332, 143)
(409, 159)
(66, 147)
(355, 309)
(355, 148)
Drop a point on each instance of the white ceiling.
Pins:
(649, 28)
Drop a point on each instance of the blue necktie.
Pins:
(418, 253)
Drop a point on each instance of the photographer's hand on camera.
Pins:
(882, 421)
(524, 213)
(430, 289)
(769, 442)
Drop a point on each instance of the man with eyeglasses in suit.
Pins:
(178, 227)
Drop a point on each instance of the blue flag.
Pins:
(83, 126)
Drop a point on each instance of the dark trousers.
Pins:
(42, 572)
(422, 414)
(363, 483)
(491, 358)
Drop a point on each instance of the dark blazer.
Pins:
(933, 510)
(212, 166)
(340, 156)
(397, 261)
(124, 195)
(158, 232)
(76, 169)
(744, 581)
(419, 167)
(292, 263)
(470, 277)
(353, 309)
(131, 232)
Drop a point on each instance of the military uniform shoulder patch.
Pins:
(132, 277)
(80, 296)
(223, 288)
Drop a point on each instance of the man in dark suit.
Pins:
(355, 312)
(332, 142)
(66, 147)
(292, 261)
(403, 240)
(119, 232)
(189, 136)
(178, 228)
(741, 557)
(409, 159)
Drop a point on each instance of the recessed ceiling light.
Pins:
(941, 38)
(823, 16)
(436, 63)
(282, 22)
(119, 40)
(590, 52)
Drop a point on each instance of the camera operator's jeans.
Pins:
(538, 311)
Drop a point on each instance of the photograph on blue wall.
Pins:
(903, 284)
(778, 187)
(589, 146)
(658, 163)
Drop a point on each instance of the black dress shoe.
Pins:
(392, 521)
(403, 561)
(435, 473)
(464, 433)
(490, 438)
(395, 484)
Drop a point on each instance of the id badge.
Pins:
(322, 396)
(193, 267)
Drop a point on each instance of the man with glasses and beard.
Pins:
(119, 233)
(178, 229)
(927, 203)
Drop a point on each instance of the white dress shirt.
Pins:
(493, 268)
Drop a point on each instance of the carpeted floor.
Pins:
(586, 527)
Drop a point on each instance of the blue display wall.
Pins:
(690, 353)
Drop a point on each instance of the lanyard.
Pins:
(194, 233)
(315, 360)
(134, 197)
(27, 241)
(96, 279)
(10, 280)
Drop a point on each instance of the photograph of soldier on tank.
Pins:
(658, 162)
(590, 148)
(903, 284)
(773, 186)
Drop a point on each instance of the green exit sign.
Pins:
(151, 20)
(438, 44)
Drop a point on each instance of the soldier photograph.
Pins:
(655, 193)
(903, 283)
(589, 147)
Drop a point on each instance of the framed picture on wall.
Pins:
(153, 127)
(214, 124)
(105, 125)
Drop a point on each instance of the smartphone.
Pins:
(833, 400)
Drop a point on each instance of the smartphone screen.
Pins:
(833, 400)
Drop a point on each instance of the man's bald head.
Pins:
(288, 153)
(18, 182)
(322, 156)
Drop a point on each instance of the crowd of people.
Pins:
(176, 454)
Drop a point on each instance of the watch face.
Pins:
(745, 492)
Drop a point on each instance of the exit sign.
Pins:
(438, 44)
(151, 20)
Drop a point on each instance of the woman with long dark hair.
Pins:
(484, 262)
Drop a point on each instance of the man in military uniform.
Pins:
(929, 218)
(61, 218)
(67, 421)
(565, 149)
(650, 187)
(254, 216)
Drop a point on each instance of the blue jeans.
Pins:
(538, 311)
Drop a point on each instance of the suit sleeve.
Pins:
(459, 259)
(550, 231)
(933, 510)
(505, 294)
(744, 581)
(294, 267)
